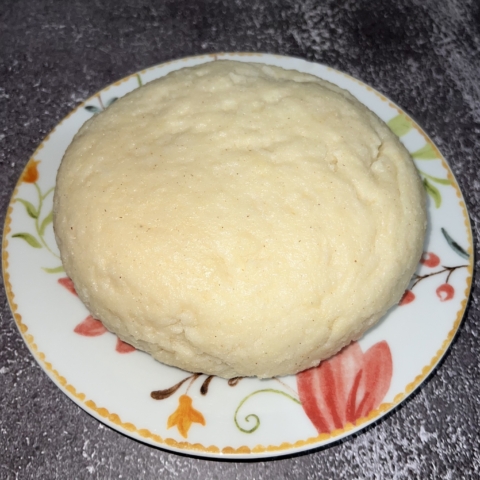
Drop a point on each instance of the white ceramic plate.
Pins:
(248, 418)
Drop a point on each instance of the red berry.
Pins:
(429, 259)
(408, 297)
(445, 292)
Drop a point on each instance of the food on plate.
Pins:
(238, 219)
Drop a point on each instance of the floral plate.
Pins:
(241, 418)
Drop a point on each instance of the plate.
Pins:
(241, 418)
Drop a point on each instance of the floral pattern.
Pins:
(101, 106)
(430, 260)
(339, 391)
(346, 387)
(30, 175)
(96, 109)
(401, 125)
(184, 416)
(91, 327)
(41, 221)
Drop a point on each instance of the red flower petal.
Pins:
(90, 327)
(324, 390)
(376, 378)
(123, 347)
(310, 394)
(346, 387)
(351, 406)
(68, 284)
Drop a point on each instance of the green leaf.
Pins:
(139, 80)
(48, 192)
(112, 100)
(433, 192)
(400, 125)
(425, 153)
(31, 210)
(455, 246)
(30, 239)
(46, 221)
(54, 270)
(441, 181)
(92, 109)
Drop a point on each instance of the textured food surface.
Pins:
(238, 219)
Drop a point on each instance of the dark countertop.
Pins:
(424, 55)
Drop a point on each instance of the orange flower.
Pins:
(30, 174)
(184, 416)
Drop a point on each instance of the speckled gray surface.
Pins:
(425, 55)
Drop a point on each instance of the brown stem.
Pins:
(233, 381)
(162, 394)
(101, 102)
(205, 385)
(450, 270)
